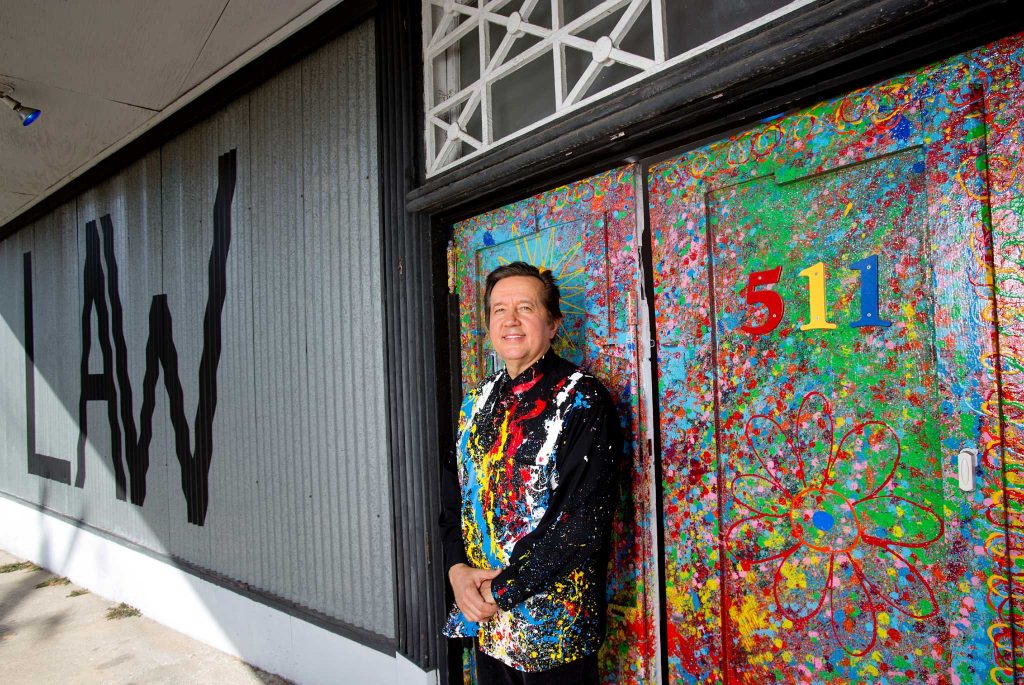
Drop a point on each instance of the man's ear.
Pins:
(556, 323)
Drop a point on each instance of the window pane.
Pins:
(694, 22)
(524, 97)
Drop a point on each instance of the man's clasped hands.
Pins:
(472, 587)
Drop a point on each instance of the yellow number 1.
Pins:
(815, 276)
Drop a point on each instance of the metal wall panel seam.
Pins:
(351, 368)
(414, 416)
(424, 516)
(259, 486)
(334, 421)
(313, 322)
(307, 570)
(236, 422)
(65, 379)
(267, 400)
(301, 472)
(164, 192)
(341, 568)
(346, 373)
(370, 215)
(314, 250)
(413, 476)
(305, 526)
(349, 421)
(347, 131)
(403, 448)
(397, 494)
(168, 193)
(407, 322)
(299, 570)
(356, 215)
(359, 217)
(227, 466)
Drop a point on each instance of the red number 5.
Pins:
(772, 301)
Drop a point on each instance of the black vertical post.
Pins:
(410, 326)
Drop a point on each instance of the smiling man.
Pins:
(528, 501)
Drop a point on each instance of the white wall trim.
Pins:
(259, 634)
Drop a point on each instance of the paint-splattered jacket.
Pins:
(536, 463)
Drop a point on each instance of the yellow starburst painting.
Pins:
(559, 250)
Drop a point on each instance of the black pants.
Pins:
(490, 671)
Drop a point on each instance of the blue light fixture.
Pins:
(27, 114)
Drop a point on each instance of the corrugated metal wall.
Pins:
(299, 485)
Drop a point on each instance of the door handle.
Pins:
(966, 462)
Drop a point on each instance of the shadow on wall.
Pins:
(133, 325)
(46, 558)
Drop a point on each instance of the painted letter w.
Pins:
(194, 458)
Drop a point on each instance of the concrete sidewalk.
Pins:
(60, 633)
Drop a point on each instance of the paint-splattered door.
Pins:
(586, 234)
(824, 315)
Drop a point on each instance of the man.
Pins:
(526, 520)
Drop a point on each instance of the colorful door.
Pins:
(839, 335)
(586, 234)
(826, 329)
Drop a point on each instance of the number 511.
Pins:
(815, 275)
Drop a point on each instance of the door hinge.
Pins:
(452, 267)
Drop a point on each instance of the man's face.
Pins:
(521, 328)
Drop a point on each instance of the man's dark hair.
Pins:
(550, 297)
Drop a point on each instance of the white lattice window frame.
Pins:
(444, 95)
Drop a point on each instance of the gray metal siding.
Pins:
(13, 418)
(132, 201)
(189, 185)
(299, 486)
(282, 413)
(56, 301)
(345, 321)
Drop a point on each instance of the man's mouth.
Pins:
(513, 337)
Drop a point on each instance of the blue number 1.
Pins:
(868, 268)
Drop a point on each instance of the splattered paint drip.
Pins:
(999, 162)
(838, 312)
(827, 345)
(585, 233)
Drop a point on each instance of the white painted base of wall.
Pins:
(256, 633)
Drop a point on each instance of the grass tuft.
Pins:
(267, 678)
(18, 566)
(78, 593)
(53, 580)
(122, 610)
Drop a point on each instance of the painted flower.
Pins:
(829, 519)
